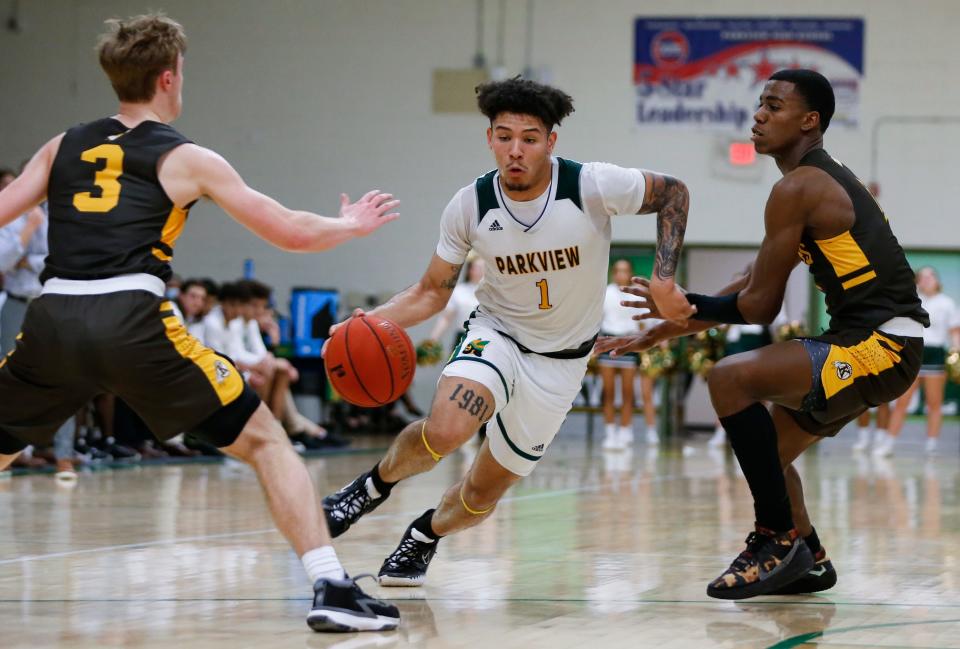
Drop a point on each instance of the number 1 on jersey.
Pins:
(105, 179)
(544, 295)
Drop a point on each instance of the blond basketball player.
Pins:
(118, 190)
(541, 224)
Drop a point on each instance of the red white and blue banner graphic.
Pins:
(709, 72)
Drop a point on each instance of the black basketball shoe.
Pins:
(820, 577)
(340, 606)
(408, 564)
(771, 561)
(345, 507)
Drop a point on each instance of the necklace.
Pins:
(539, 216)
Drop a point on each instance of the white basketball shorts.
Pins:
(533, 393)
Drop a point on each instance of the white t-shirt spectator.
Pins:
(617, 319)
(943, 317)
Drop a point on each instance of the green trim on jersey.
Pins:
(568, 186)
(486, 196)
(568, 181)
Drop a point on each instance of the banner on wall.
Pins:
(707, 73)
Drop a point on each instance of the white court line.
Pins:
(226, 535)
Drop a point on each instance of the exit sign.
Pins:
(741, 154)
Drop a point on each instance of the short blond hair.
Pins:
(135, 51)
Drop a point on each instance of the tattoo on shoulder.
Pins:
(451, 282)
(671, 200)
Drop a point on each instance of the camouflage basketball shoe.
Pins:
(820, 577)
(771, 561)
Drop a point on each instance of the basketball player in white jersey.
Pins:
(541, 224)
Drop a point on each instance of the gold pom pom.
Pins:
(789, 331)
(658, 361)
(952, 365)
(429, 352)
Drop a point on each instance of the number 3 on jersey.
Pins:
(544, 295)
(106, 179)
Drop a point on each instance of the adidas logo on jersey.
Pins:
(538, 448)
(495, 226)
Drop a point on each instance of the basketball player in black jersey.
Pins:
(821, 213)
(119, 190)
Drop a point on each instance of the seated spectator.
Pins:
(192, 301)
(213, 295)
(260, 325)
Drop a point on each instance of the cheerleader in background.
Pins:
(618, 321)
(944, 331)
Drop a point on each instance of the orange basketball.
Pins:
(370, 361)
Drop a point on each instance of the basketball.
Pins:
(370, 361)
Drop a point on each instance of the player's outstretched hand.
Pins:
(668, 300)
(333, 329)
(370, 212)
(641, 288)
(618, 345)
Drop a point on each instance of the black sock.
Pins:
(754, 440)
(813, 542)
(424, 525)
(379, 483)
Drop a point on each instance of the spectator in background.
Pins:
(943, 332)
(6, 177)
(213, 295)
(23, 248)
(192, 301)
(618, 321)
(260, 325)
(173, 287)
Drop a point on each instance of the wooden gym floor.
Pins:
(593, 550)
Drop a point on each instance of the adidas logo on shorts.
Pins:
(495, 226)
(538, 448)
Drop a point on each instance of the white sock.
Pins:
(610, 429)
(322, 562)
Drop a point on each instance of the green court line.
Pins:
(804, 638)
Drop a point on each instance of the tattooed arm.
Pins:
(669, 198)
(423, 300)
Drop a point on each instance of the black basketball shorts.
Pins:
(852, 372)
(127, 343)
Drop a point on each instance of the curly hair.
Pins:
(524, 97)
(135, 51)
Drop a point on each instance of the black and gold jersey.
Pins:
(108, 213)
(863, 271)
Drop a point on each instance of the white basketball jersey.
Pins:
(544, 283)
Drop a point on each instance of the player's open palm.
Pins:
(370, 212)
